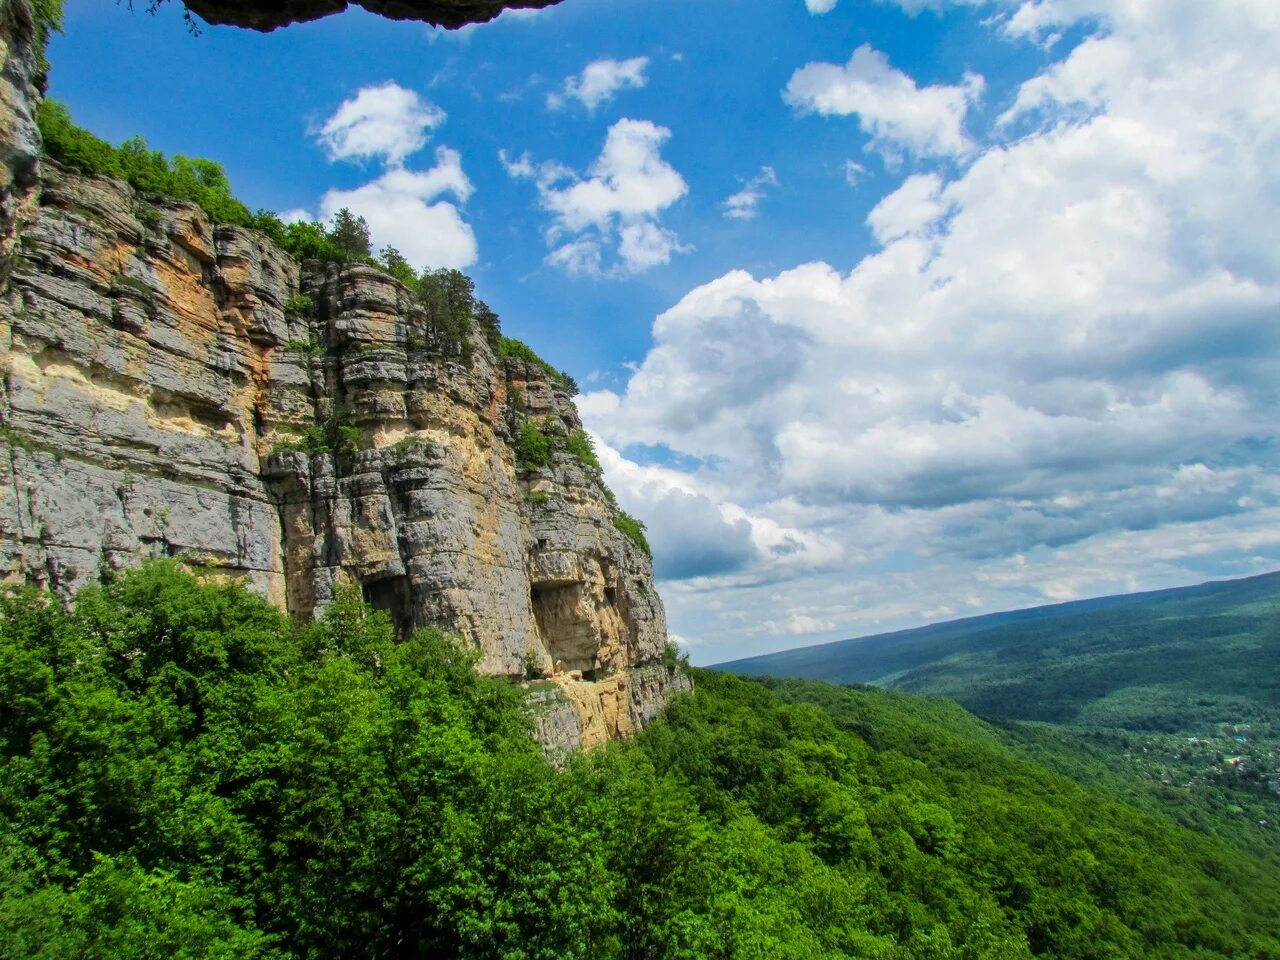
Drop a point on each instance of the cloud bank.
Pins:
(1056, 376)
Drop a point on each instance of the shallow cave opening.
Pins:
(565, 623)
(392, 594)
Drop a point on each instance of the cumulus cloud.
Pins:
(1054, 377)
(615, 208)
(819, 7)
(890, 107)
(404, 209)
(745, 204)
(909, 210)
(386, 122)
(600, 82)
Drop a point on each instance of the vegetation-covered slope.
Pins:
(184, 772)
(1170, 698)
(1139, 660)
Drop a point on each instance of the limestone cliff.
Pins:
(157, 371)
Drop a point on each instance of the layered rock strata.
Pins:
(157, 371)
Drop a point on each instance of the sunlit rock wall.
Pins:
(154, 367)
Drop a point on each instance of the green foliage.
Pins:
(48, 19)
(531, 664)
(1149, 694)
(309, 348)
(448, 299)
(150, 218)
(537, 442)
(511, 349)
(336, 434)
(186, 772)
(580, 447)
(533, 447)
(633, 530)
(308, 240)
(537, 497)
(350, 234)
(139, 287)
(393, 261)
(191, 179)
(16, 438)
(300, 305)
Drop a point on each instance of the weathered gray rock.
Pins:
(154, 379)
(19, 135)
(155, 369)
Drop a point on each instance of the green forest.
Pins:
(1169, 699)
(185, 772)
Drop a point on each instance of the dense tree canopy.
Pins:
(184, 772)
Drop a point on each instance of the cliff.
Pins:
(160, 371)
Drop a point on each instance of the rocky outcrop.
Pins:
(158, 375)
(19, 136)
(269, 14)
(172, 388)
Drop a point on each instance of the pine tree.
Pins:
(351, 234)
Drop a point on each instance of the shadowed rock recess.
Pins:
(155, 364)
(269, 14)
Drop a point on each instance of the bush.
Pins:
(300, 305)
(334, 435)
(579, 445)
(533, 447)
(189, 179)
(512, 349)
(633, 530)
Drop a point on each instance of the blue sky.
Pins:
(885, 312)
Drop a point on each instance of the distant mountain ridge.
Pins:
(1050, 662)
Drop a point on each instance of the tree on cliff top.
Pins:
(350, 233)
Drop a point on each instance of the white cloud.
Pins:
(819, 7)
(1055, 377)
(744, 204)
(616, 206)
(891, 108)
(600, 81)
(853, 172)
(520, 168)
(909, 210)
(386, 122)
(403, 210)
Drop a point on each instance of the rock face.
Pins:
(19, 136)
(269, 14)
(157, 370)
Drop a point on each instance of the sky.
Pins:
(884, 312)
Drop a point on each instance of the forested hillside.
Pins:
(1126, 658)
(185, 772)
(1169, 698)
